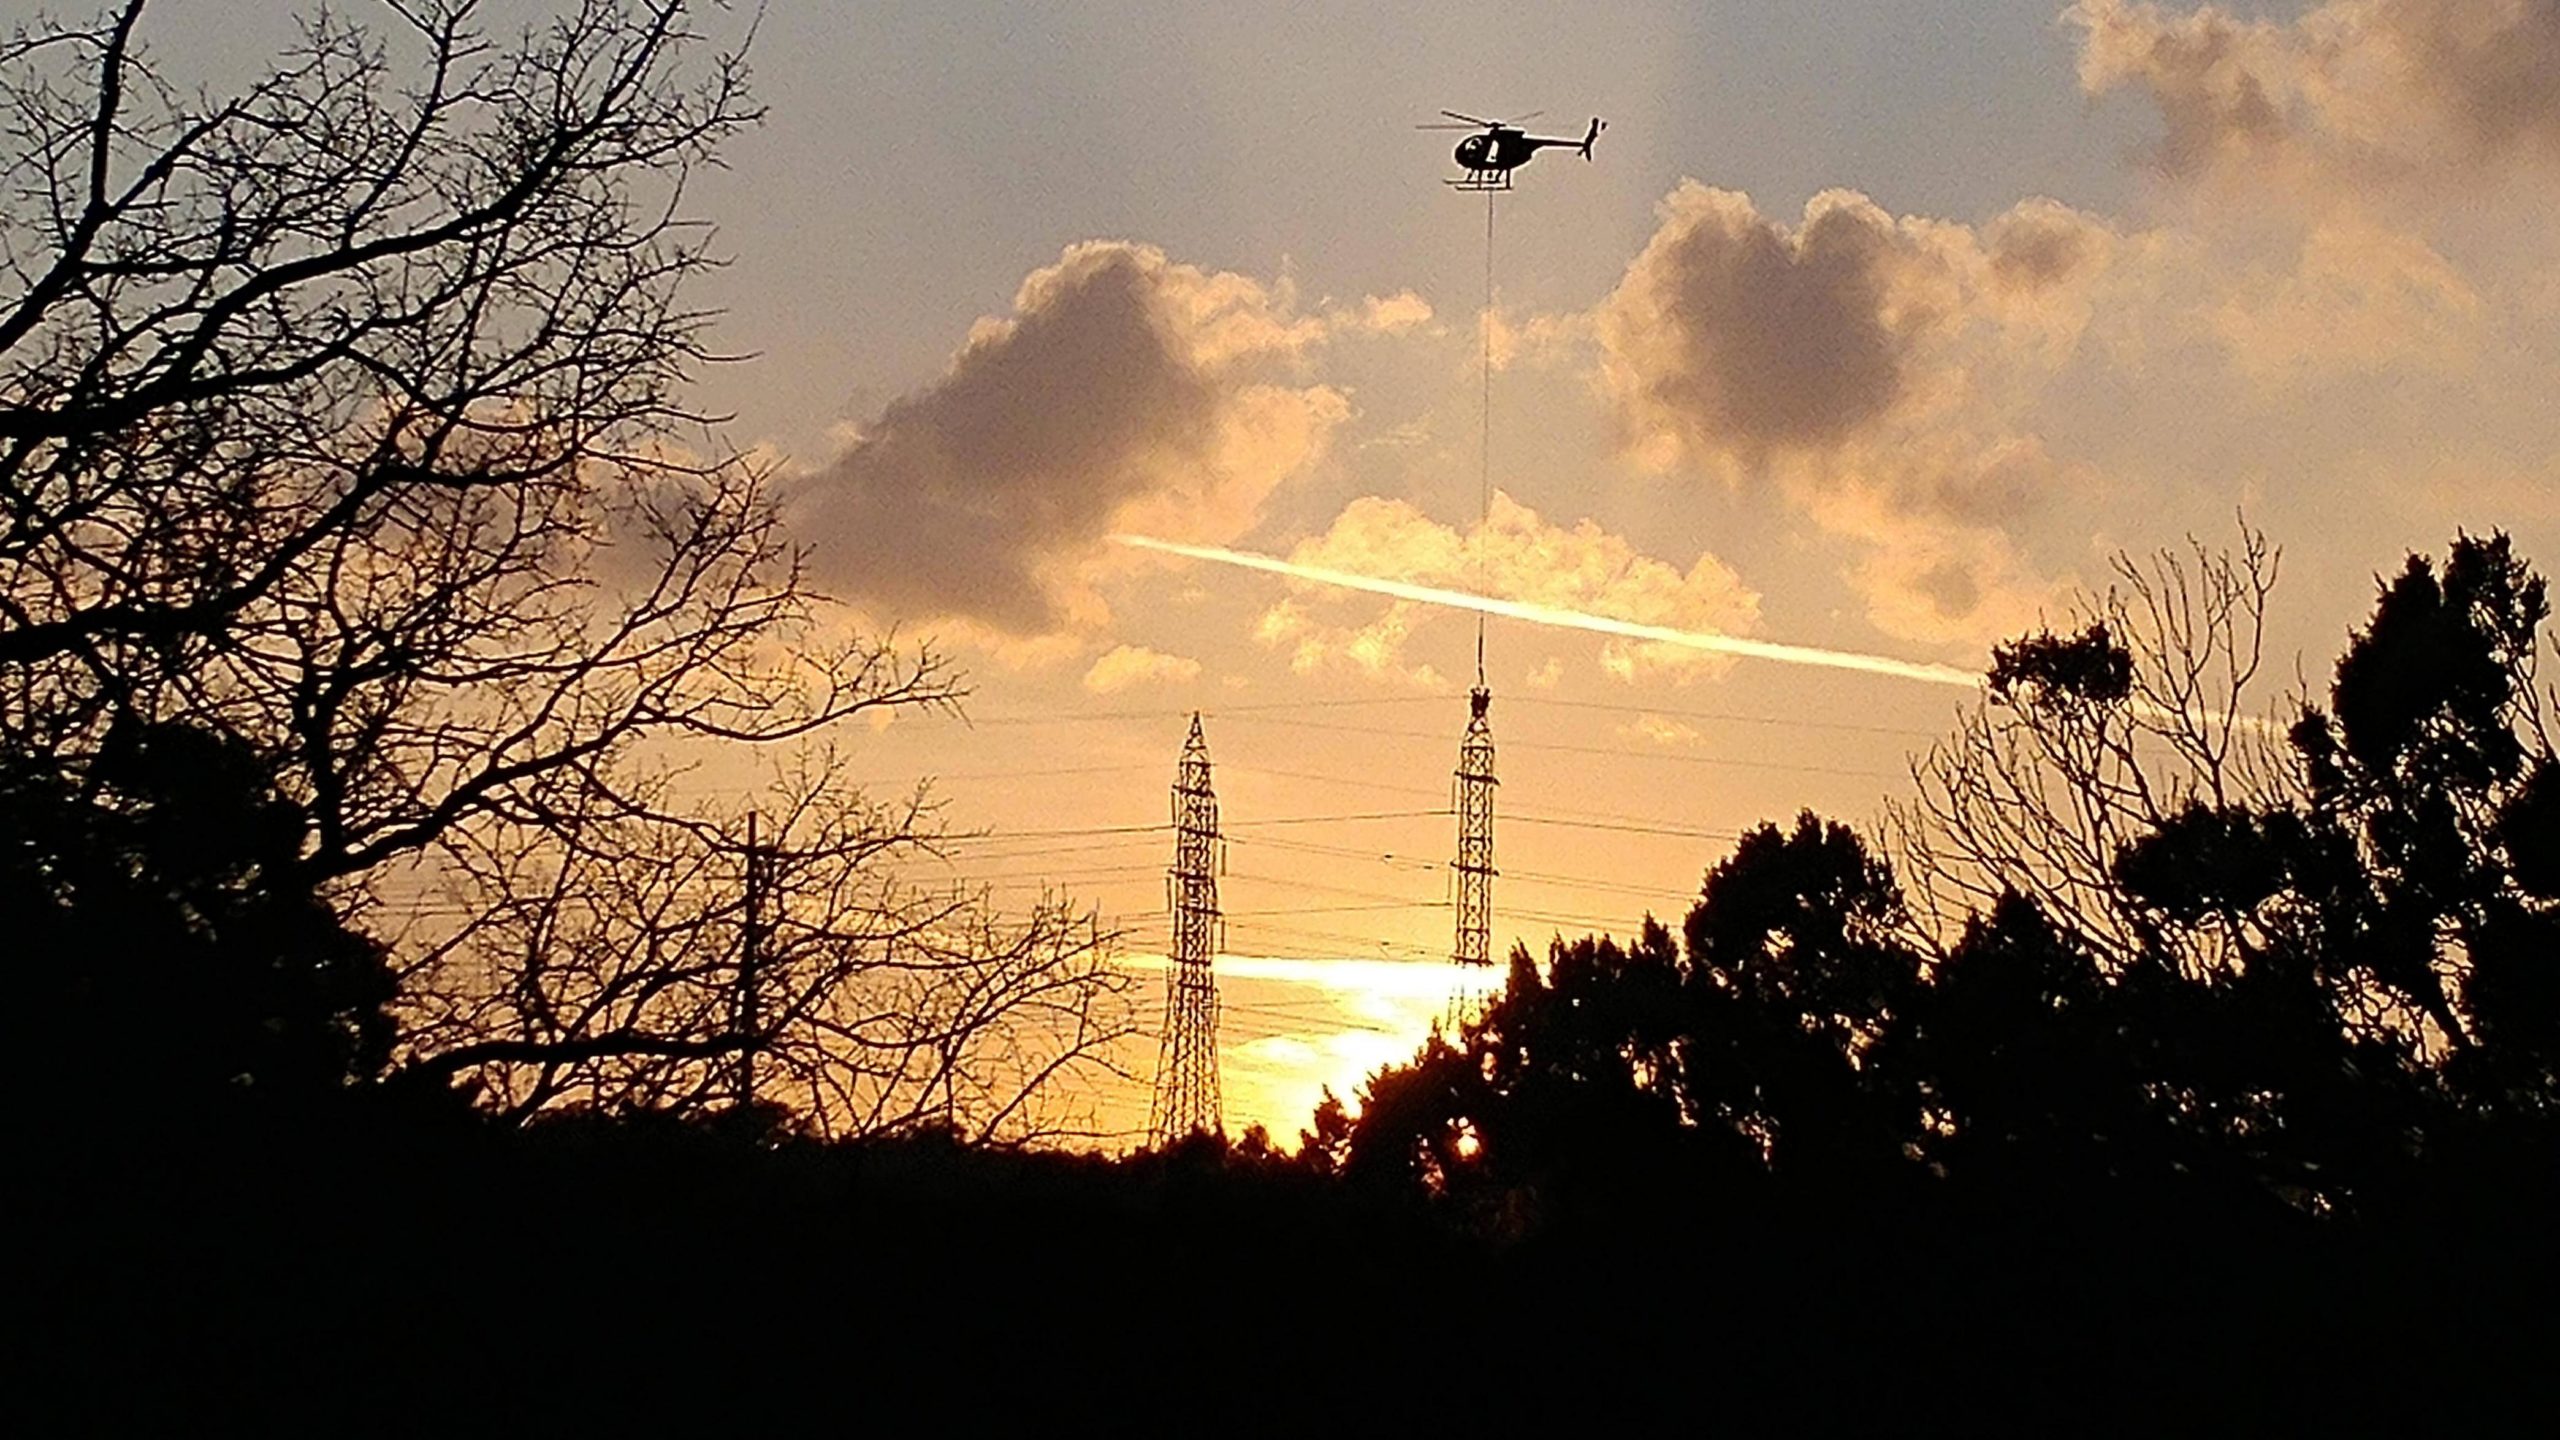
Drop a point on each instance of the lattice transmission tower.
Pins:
(1186, 1097)
(1473, 800)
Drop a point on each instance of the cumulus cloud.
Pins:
(1734, 338)
(1930, 578)
(2039, 244)
(2369, 87)
(1867, 369)
(2363, 188)
(2355, 298)
(1731, 333)
(1517, 554)
(1383, 314)
(1661, 730)
(1125, 389)
(1125, 666)
(2224, 86)
(1375, 649)
(1533, 340)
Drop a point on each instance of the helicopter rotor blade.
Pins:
(1448, 127)
(1524, 119)
(1471, 119)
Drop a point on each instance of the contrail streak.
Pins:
(1563, 619)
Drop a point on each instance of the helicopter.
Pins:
(1489, 158)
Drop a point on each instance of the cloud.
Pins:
(1733, 334)
(1124, 389)
(2364, 88)
(1538, 339)
(2491, 68)
(1515, 554)
(1408, 435)
(1375, 649)
(2224, 86)
(1383, 315)
(2356, 298)
(1735, 340)
(2360, 192)
(1663, 731)
(1934, 580)
(2039, 244)
(1872, 372)
(1124, 666)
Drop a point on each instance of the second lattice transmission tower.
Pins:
(1186, 1096)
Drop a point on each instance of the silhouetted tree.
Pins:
(164, 948)
(343, 418)
(2166, 949)
(1798, 960)
(2092, 738)
(880, 1006)
(2434, 760)
(1620, 1066)
(1325, 1146)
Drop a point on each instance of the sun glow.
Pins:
(1291, 1027)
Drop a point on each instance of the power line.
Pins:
(1396, 904)
(1351, 781)
(1568, 917)
(1335, 937)
(1133, 868)
(1619, 752)
(1341, 819)
(1391, 859)
(1101, 849)
(1214, 713)
(935, 776)
(1629, 829)
(1791, 722)
(1576, 882)
(998, 836)
(1327, 889)
(1736, 717)
(1001, 835)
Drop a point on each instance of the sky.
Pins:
(1870, 329)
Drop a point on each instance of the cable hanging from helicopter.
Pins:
(1487, 160)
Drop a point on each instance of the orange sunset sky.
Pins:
(1872, 328)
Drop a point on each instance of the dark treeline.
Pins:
(395, 1046)
(2279, 1148)
(2333, 991)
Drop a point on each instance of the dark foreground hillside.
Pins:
(441, 1278)
(2234, 1103)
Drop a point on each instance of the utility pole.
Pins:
(744, 1017)
(1186, 1094)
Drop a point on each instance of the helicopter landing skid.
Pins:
(1473, 183)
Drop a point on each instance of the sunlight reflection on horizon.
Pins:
(1291, 1026)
